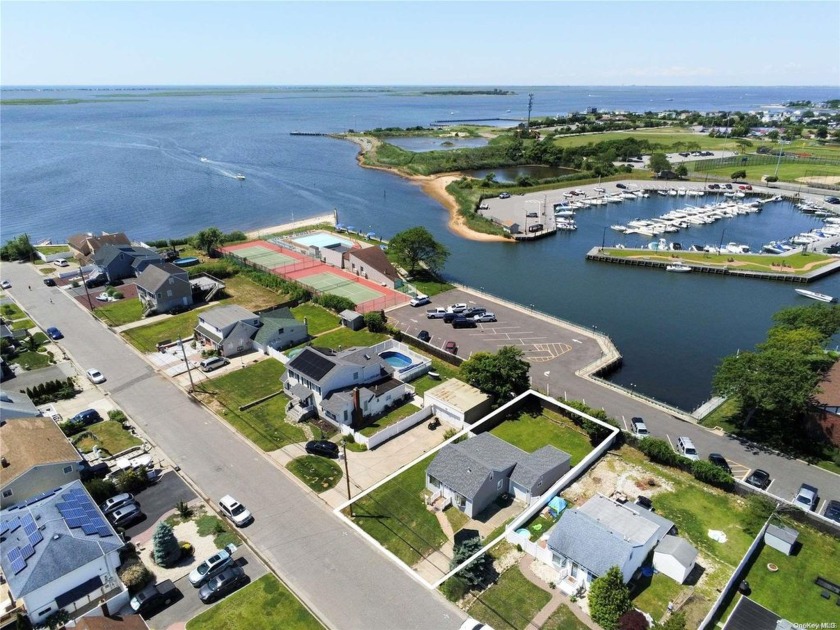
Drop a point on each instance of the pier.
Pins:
(307, 133)
(438, 123)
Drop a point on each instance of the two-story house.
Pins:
(231, 330)
(373, 264)
(163, 287)
(17, 405)
(124, 261)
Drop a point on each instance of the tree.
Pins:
(208, 239)
(773, 135)
(100, 489)
(416, 247)
(674, 622)
(166, 550)
(659, 163)
(682, 171)
(475, 573)
(502, 375)
(739, 174)
(633, 620)
(375, 321)
(609, 599)
(19, 248)
(824, 318)
(822, 132)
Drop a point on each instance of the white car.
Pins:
(235, 511)
(806, 498)
(419, 300)
(6, 284)
(61, 263)
(212, 566)
(487, 316)
(456, 308)
(95, 376)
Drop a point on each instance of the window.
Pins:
(41, 613)
(355, 376)
(68, 469)
(7, 493)
(169, 293)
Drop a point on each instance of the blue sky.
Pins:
(420, 43)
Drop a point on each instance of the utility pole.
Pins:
(87, 293)
(530, 106)
(187, 363)
(347, 475)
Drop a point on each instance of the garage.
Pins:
(457, 403)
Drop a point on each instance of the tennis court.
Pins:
(264, 256)
(326, 282)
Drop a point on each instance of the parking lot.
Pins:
(544, 343)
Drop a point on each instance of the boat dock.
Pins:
(597, 255)
(307, 133)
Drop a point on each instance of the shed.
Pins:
(781, 538)
(352, 319)
(458, 403)
(675, 557)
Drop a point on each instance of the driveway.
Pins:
(160, 498)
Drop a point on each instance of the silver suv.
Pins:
(806, 498)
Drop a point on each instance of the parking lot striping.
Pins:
(739, 471)
(548, 351)
(577, 341)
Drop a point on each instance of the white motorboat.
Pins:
(618, 228)
(662, 193)
(567, 225)
(681, 192)
(822, 297)
(564, 213)
(203, 159)
(678, 268)
(672, 192)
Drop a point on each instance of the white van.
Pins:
(213, 363)
(685, 447)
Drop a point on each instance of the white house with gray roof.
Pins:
(475, 472)
(600, 534)
(162, 287)
(59, 552)
(228, 329)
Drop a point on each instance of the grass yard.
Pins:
(510, 603)
(211, 525)
(319, 473)
(263, 424)
(652, 594)
(790, 592)
(263, 605)
(22, 324)
(11, 311)
(563, 619)
(146, 338)
(49, 250)
(121, 312)
(395, 514)
(318, 319)
(540, 525)
(401, 412)
(665, 136)
(347, 338)
(107, 435)
(795, 264)
(250, 295)
(787, 171)
(426, 283)
(32, 360)
(530, 433)
(457, 519)
(724, 416)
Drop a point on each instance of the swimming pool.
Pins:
(395, 359)
(321, 239)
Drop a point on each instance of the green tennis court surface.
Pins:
(327, 282)
(265, 257)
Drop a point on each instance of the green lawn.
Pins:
(11, 311)
(563, 619)
(652, 594)
(530, 433)
(33, 360)
(211, 525)
(457, 519)
(263, 605)
(347, 338)
(724, 416)
(122, 312)
(511, 602)
(146, 338)
(263, 424)
(787, 171)
(318, 319)
(795, 264)
(395, 514)
(666, 136)
(426, 283)
(22, 324)
(401, 412)
(319, 473)
(109, 436)
(540, 524)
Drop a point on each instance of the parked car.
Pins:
(324, 448)
(61, 263)
(420, 300)
(424, 335)
(759, 478)
(456, 308)
(54, 333)
(235, 511)
(49, 282)
(832, 200)
(214, 565)
(436, 313)
(223, 584)
(472, 311)
(449, 316)
(744, 187)
(806, 497)
(95, 376)
(5, 284)
(463, 322)
(714, 186)
(718, 460)
(451, 347)
(474, 624)
(212, 363)
(832, 511)
(686, 448)
(116, 502)
(86, 417)
(485, 317)
(96, 281)
(154, 597)
(126, 515)
(504, 195)
(620, 185)
(639, 428)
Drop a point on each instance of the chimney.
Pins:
(356, 420)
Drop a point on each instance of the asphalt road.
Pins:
(158, 499)
(344, 579)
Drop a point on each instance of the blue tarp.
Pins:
(556, 505)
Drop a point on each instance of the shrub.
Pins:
(660, 451)
(596, 432)
(134, 575)
(633, 620)
(166, 551)
(771, 178)
(713, 475)
(117, 416)
(739, 175)
(131, 481)
(454, 588)
(100, 489)
(335, 303)
(71, 428)
(450, 432)
(184, 510)
(56, 620)
(375, 321)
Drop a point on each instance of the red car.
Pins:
(451, 346)
(745, 187)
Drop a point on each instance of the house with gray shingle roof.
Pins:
(17, 405)
(229, 329)
(279, 330)
(59, 552)
(600, 534)
(475, 472)
(124, 261)
(162, 287)
(675, 557)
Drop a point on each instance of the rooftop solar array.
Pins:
(79, 512)
(19, 555)
(311, 364)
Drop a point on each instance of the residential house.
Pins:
(475, 472)
(675, 557)
(600, 534)
(373, 264)
(124, 261)
(337, 384)
(457, 403)
(59, 552)
(84, 246)
(825, 424)
(228, 329)
(279, 330)
(36, 456)
(16, 405)
(163, 287)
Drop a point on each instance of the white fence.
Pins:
(276, 354)
(419, 364)
(395, 429)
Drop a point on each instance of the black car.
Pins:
(86, 417)
(620, 185)
(759, 478)
(154, 598)
(226, 582)
(49, 282)
(464, 322)
(424, 335)
(324, 448)
(473, 311)
(728, 186)
(834, 200)
(718, 460)
(832, 511)
(448, 317)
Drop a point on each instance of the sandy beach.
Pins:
(435, 187)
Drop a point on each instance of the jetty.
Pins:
(307, 133)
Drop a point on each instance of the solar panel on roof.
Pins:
(35, 537)
(3, 528)
(103, 530)
(73, 523)
(312, 364)
(88, 528)
(96, 522)
(14, 524)
(13, 554)
(27, 551)
(27, 519)
(18, 565)
(28, 528)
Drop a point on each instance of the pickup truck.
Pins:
(154, 597)
(436, 313)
